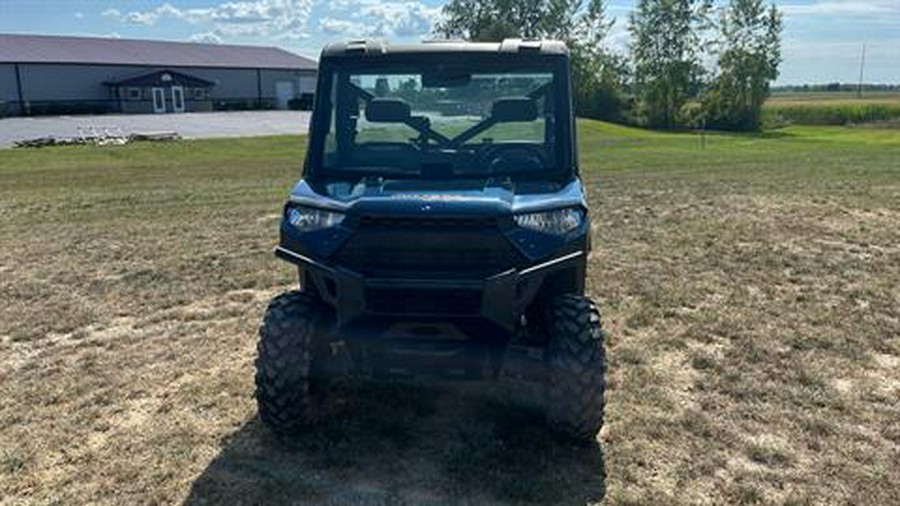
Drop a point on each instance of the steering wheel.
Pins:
(513, 157)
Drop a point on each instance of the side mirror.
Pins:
(388, 110)
(507, 110)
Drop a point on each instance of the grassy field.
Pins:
(751, 291)
(837, 108)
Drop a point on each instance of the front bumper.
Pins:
(500, 298)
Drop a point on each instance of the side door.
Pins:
(284, 92)
(177, 98)
(159, 100)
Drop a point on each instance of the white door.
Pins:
(177, 99)
(159, 100)
(284, 92)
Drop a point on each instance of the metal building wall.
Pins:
(45, 84)
(9, 94)
(230, 83)
(304, 81)
(42, 81)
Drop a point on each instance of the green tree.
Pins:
(596, 73)
(493, 20)
(749, 51)
(666, 48)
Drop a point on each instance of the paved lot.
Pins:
(188, 125)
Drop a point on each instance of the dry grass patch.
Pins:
(747, 327)
(750, 291)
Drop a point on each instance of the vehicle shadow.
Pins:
(405, 444)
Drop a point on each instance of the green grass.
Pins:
(749, 290)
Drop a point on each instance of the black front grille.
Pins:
(410, 247)
(421, 223)
(372, 259)
(423, 301)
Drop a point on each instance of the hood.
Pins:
(378, 196)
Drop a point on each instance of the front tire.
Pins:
(576, 363)
(286, 389)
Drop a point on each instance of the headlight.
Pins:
(307, 219)
(558, 221)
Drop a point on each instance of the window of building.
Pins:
(199, 94)
(134, 93)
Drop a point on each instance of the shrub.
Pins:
(302, 103)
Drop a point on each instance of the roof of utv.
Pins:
(357, 48)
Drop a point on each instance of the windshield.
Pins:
(440, 123)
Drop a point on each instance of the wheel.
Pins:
(287, 391)
(576, 364)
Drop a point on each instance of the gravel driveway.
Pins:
(188, 125)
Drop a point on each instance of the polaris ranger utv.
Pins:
(440, 229)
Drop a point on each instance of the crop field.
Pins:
(818, 96)
(750, 290)
(837, 108)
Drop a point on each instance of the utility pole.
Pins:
(862, 65)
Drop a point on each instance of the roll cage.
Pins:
(422, 125)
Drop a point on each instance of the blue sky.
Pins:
(822, 38)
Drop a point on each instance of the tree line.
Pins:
(687, 63)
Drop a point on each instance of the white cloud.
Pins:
(402, 19)
(140, 18)
(281, 18)
(207, 37)
(108, 35)
(343, 27)
(293, 36)
(288, 19)
(373, 18)
(341, 4)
